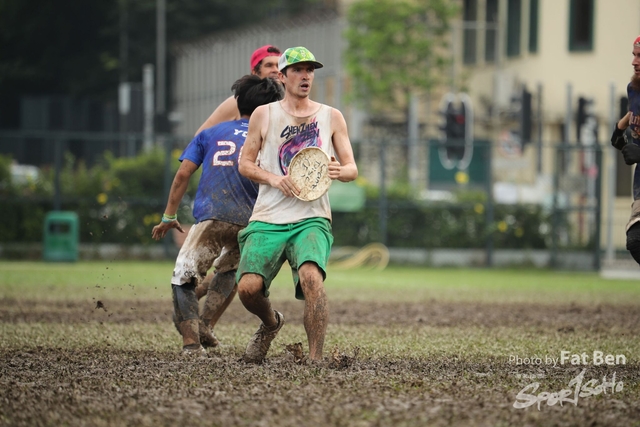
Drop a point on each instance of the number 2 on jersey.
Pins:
(220, 158)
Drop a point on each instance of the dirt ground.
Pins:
(53, 386)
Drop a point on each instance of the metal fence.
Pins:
(498, 202)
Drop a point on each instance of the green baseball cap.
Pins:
(295, 55)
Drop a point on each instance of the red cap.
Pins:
(636, 42)
(260, 54)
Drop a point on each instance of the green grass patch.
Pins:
(150, 280)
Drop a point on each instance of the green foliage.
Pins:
(120, 200)
(5, 174)
(396, 47)
(117, 201)
(445, 225)
(73, 47)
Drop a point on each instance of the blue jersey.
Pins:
(634, 127)
(223, 193)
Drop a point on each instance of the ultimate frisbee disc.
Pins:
(309, 170)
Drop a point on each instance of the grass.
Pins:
(150, 280)
(411, 373)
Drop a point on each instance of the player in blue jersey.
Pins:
(222, 207)
(264, 63)
(631, 150)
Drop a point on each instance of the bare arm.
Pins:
(258, 124)
(623, 123)
(178, 188)
(225, 112)
(345, 169)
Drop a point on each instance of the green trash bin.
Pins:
(61, 236)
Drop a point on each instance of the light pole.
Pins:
(161, 53)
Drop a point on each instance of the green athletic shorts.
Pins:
(264, 248)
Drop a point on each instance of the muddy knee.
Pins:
(185, 303)
(311, 280)
(223, 283)
(249, 286)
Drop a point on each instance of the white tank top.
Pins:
(286, 136)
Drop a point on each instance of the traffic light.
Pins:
(456, 138)
(525, 117)
(455, 131)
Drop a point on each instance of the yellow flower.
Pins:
(462, 177)
(151, 219)
(502, 226)
(102, 198)
(479, 208)
(519, 232)
(176, 153)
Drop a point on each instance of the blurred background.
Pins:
(481, 127)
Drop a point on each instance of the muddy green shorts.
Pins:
(264, 248)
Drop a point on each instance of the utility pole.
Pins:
(124, 89)
(161, 53)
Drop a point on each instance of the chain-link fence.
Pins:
(496, 206)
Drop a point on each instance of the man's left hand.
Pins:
(334, 168)
(631, 153)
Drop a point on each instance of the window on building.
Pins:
(491, 19)
(469, 31)
(533, 26)
(514, 27)
(581, 25)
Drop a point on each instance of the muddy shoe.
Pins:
(261, 341)
(194, 351)
(207, 337)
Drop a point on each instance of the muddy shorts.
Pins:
(206, 242)
(265, 247)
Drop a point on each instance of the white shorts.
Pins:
(206, 242)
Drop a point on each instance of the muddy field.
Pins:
(102, 384)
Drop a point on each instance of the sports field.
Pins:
(92, 343)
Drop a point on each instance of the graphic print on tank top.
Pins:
(296, 138)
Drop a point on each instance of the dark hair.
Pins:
(270, 49)
(251, 91)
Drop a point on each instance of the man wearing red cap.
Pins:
(631, 149)
(264, 63)
(222, 206)
(220, 289)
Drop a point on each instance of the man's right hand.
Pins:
(618, 139)
(285, 184)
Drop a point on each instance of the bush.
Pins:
(444, 225)
(121, 199)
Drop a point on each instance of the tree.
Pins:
(395, 48)
(72, 47)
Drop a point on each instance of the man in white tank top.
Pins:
(283, 226)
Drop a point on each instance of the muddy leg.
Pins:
(253, 299)
(316, 311)
(185, 307)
